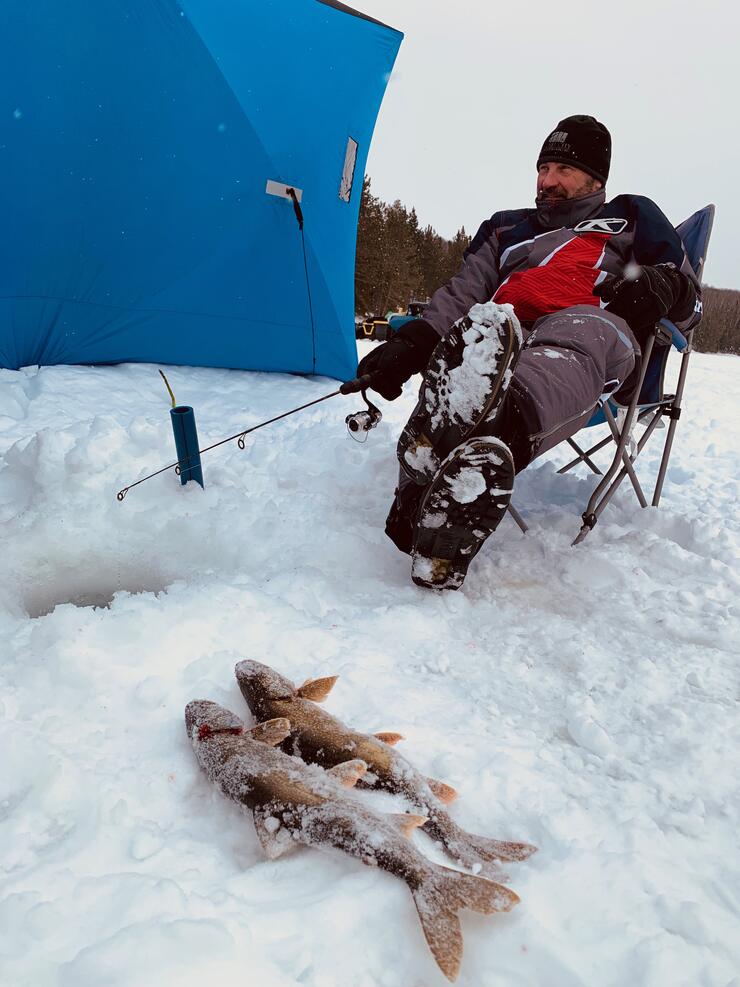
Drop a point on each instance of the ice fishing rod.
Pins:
(361, 421)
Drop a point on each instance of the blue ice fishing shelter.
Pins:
(156, 157)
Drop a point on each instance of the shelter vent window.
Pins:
(348, 172)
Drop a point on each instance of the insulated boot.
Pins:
(461, 508)
(463, 385)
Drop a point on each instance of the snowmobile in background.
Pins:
(381, 326)
(372, 327)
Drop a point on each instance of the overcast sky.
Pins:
(478, 85)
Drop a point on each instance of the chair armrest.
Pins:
(677, 337)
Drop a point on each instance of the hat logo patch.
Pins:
(601, 226)
(558, 137)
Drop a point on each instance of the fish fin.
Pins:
(445, 793)
(274, 838)
(473, 892)
(348, 773)
(389, 738)
(270, 732)
(438, 899)
(317, 689)
(488, 849)
(407, 822)
(442, 932)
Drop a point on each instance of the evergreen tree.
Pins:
(369, 249)
(396, 260)
(401, 271)
(456, 248)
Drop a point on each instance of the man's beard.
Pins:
(558, 194)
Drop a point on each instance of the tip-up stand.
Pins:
(186, 444)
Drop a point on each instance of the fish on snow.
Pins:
(317, 737)
(293, 802)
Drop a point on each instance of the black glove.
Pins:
(406, 353)
(656, 292)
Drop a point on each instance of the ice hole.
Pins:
(88, 589)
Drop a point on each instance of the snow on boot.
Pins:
(464, 383)
(462, 507)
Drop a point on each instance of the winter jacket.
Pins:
(550, 258)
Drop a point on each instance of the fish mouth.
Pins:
(204, 713)
(250, 671)
(258, 681)
(197, 712)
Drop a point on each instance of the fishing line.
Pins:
(358, 384)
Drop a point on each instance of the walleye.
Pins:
(294, 802)
(319, 738)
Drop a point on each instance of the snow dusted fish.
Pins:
(319, 738)
(294, 802)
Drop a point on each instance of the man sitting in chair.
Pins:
(544, 318)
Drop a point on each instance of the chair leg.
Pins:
(583, 457)
(518, 518)
(655, 421)
(605, 489)
(595, 448)
(625, 456)
(675, 413)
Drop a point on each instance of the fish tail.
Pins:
(469, 848)
(488, 849)
(438, 899)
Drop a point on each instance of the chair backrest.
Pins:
(694, 232)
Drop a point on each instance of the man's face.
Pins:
(561, 181)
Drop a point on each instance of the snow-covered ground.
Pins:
(582, 699)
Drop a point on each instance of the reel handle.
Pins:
(356, 384)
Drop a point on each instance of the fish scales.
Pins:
(312, 807)
(320, 738)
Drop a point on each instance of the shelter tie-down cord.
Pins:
(299, 216)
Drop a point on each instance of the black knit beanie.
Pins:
(580, 141)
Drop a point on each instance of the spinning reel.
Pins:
(360, 423)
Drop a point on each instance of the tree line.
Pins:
(399, 261)
(719, 330)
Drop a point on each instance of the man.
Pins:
(543, 318)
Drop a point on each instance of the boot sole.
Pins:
(430, 435)
(449, 531)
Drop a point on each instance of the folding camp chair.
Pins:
(649, 405)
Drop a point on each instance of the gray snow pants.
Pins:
(569, 360)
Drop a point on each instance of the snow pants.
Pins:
(569, 360)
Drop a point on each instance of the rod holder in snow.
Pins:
(348, 387)
(186, 444)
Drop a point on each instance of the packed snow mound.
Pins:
(584, 700)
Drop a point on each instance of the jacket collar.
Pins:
(568, 212)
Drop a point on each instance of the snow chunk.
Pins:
(467, 486)
(422, 458)
(587, 733)
(423, 567)
(147, 842)
(432, 520)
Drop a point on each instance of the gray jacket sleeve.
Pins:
(476, 281)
